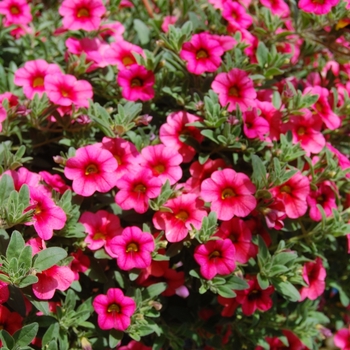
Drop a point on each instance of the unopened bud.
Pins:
(85, 344)
(155, 304)
(59, 160)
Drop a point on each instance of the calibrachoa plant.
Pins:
(174, 174)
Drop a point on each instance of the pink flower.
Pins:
(100, 227)
(10, 321)
(92, 169)
(273, 117)
(230, 194)
(164, 162)
(320, 7)
(167, 21)
(293, 194)
(254, 126)
(82, 14)
(135, 345)
(47, 215)
(215, 257)
(65, 89)
(114, 29)
(16, 12)
(31, 76)
(137, 83)
(80, 263)
(175, 127)
(235, 87)
(342, 339)
(23, 176)
(276, 343)
(133, 248)
(236, 15)
(202, 53)
(4, 292)
(56, 277)
(54, 182)
(325, 196)
(114, 310)
(135, 190)
(122, 52)
(3, 116)
(277, 7)
(230, 305)
(314, 275)
(274, 214)
(186, 211)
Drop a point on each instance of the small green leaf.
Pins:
(7, 340)
(114, 338)
(154, 290)
(51, 334)
(142, 30)
(278, 270)
(27, 281)
(26, 334)
(225, 291)
(286, 289)
(263, 281)
(16, 245)
(48, 257)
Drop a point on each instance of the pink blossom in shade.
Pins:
(273, 117)
(293, 194)
(164, 162)
(323, 108)
(186, 211)
(32, 75)
(10, 321)
(236, 15)
(113, 29)
(93, 48)
(100, 227)
(80, 263)
(201, 172)
(277, 7)
(122, 52)
(343, 160)
(235, 87)
(239, 233)
(342, 339)
(91, 169)
(167, 21)
(136, 83)
(47, 215)
(22, 176)
(306, 129)
(114, 310)
(82, 14)
(215, 257)
(226, 41)
(320, 7)
(254, 126)
(124, 152)
(218, 4)
(257, 228)
(65, 90)
(202, 53)
(37, 244)
(15, 12)
(230, 194)
(56, 277)
(4, 292)
(275, 343)
(254, 298)
(135, 345)
(230, 305)
(175, 126)
(133, 248)
(10, 97)
(274, 214)
(135, 190)
(314, 275)
(54, 182)
(325, 196)
(3, 116)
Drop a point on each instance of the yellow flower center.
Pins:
(37, 209)
(227, 193)
(98, 235)
(91, 169)
(38, 81)
(182, 215)
(136, 82)
(214, 254)
(113, 308)
(83, 12)
(14, 10)
(201, 54)
(118, 159)
(158, 169)
(301, 131)
(286, 189)
(233, 91)
(127, 61)
(140, 188)
(132, 247)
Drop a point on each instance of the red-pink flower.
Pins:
(91, 169)
(15, 12)
(82, 14)
(254, 126)
(47, 215)
(236, 15)
(215, 257)
(100, 227)
(230, 305)
(293, 194)
(320, 7)
(80, 263)
(167, 21)
(136, 83)
(254, 298)
(133, 248)
(23, 176)
(4, 292)
(277, 7)
(342, 339)
(314, 275)
(32, 75)
(56, 277)
(164, 162)
(235, 87)
(230, 194)
(135, 190)
(54, 182)
(202, 53)
(175, 127)
(3, 116)
(114, 310)
(186, 211)
(275, 343)
(65, 90)
(273, 117)
(10, 321)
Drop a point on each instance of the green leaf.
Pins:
(143, 31)
(286, 289)
(48, 257)
(7, 340)
(6, 187)
(237, 283)
(259, 171)
(16, 245)
(284, 258)
(51, 334)
(26, 334)
(276, 100)
(263, 255)
(225, 291)
(114, 338)
(25, 258)
(262, 54)
(210, 135)
(27, 281)
(278, 270)
(154, 290)
(263, 281)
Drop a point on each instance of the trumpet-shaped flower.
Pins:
(122, 52)
(15, 12)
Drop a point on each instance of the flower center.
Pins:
(301, 131)
(118, 159)
(227, 193)
(98, 235)
(234, 15)
(64, 93)
(136, 82)
(14, 10)
(83, 12)
(37, 209)
(140, 188)
(233, 91)
(182, 215)
(215, 254)
(38, 82)
(318, 105)
(321, 2)
(132, 247)
(91, 169)
(286, 189)
(201, 54)
(158, 169)
(320, 199)
(254, 294)
(127, 61)
(113, 308)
